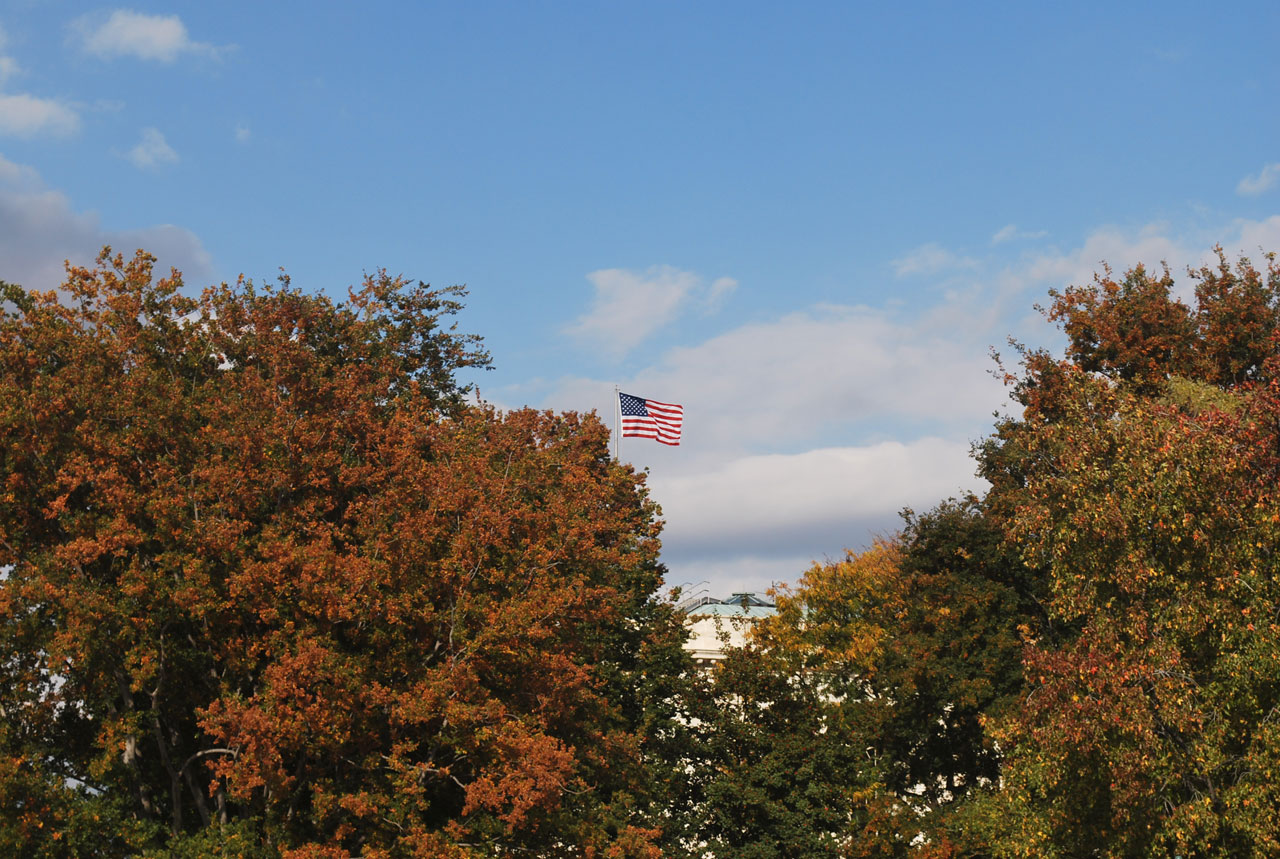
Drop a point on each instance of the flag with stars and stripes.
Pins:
(650, 419)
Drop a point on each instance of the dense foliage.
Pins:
(273, 586)
(1083, 662)
(855, 717)
(1142, 478)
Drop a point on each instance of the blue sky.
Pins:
(807, 223)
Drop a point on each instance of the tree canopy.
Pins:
(1141, 479)
(1083, 661)
(274, 585)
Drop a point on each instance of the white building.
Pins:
(715, 625)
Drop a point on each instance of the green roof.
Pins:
(725, 609)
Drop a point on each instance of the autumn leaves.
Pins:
(276, 587)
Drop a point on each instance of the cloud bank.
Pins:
(826, 498)
(40, 230)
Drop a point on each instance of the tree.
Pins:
(1147, 726)
(853, 722)
(273, 583)
(1135, 330)
(1132, 329)
(1141, 478)
(785, 772)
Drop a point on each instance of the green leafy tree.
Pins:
(854, 718)
(785, 772)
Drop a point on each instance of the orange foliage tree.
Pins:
(271, 585)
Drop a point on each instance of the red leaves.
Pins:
(1132, 329)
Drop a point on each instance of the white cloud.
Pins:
(929, 258)
(1255, 237)
(1151, 245)
(152, 150)
(1004, 234)
(763, 503)
(1263, 181)
(1010, 232)
(39, 231)
(8, 69)
(759, 520)
(23, 115)
(125, 33)
(629, 306)
(17, 175)
(1028, 279)
(826, 372)
(243, 133)
(8, 65)
(721, 289)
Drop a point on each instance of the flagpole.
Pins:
(617, 425)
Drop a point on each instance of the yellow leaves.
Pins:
(825, 616)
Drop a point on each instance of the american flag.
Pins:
(650, 419)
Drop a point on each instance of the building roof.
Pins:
(733, 610)
(747, 605)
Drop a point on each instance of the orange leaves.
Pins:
(1132, 329)
(530, 771)
(274, 556)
